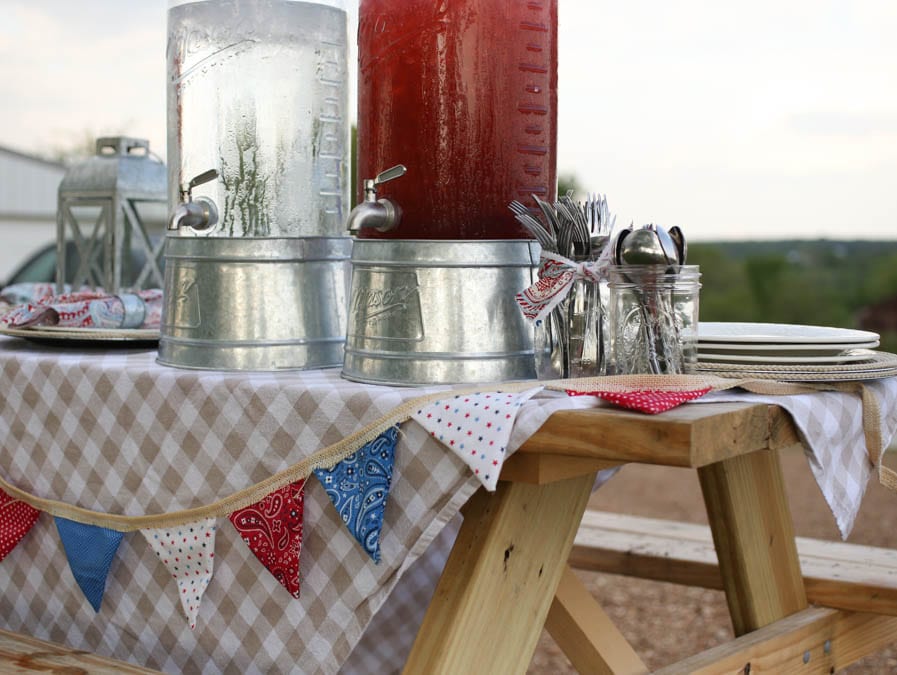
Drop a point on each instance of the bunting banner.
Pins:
(188, 551)
(476, 427)
(90, 551)
(272, 529)
(358, 486)
(16, 520)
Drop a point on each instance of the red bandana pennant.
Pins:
(16, 520)
(272, 528)
(651, 401)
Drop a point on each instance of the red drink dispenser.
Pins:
(464, 94)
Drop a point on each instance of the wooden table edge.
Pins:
(692, 435)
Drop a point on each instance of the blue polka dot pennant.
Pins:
(90, 551)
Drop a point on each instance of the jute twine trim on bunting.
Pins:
(331, 455)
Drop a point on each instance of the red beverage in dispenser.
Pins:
(464, 94)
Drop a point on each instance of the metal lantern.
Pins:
(109, 206)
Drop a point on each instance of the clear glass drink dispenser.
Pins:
(257, 259)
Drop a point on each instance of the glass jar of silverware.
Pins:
(608, 303)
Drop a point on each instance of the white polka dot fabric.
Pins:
(476, 427)
(188, 552)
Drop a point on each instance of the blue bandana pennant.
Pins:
(358, 486)
(90, 551)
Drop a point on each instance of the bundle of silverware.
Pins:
(654, 302)
(570, 342)
(575, 230)
(615, 308)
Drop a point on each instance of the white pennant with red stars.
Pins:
(188, 551)
(476, 427)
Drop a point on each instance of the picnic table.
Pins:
(111, 432)
(510, 571)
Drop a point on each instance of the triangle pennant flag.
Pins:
(188, 551)
(358, 486)
(272, 528)
(652, 401)
(90, 551)
(476, 427)
(16, 520)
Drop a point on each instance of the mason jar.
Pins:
(652, 319)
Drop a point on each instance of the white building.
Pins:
(28, 194)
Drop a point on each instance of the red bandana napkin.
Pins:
(556, 277)
(651, 401)
(90, 309)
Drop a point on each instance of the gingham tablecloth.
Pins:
(116, 433)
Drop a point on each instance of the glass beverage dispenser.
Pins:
(457, 117)
(256, 257)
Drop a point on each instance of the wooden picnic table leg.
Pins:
(586, 634)
(499, 582)
(754, 539)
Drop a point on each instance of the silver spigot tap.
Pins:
(200, 214)
(379, 214)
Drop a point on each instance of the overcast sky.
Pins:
(733, 120)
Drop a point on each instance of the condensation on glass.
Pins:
(258, 91)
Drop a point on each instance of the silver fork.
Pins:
(545, 238)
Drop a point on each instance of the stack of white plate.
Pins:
(782, 344)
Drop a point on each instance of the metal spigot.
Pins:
(379, 214)
(200, 214)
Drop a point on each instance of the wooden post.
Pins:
(492, 600)
(754, 539)
(586, 634)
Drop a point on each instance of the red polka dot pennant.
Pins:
(476, 427)
(272, 529)
(650, 401)
(16, 520)
(188, 551)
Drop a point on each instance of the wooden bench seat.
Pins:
(25, 654)
(838, 575)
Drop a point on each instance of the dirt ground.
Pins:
(664, 622)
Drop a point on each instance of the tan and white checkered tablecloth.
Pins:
(116, 433)
(113, 432)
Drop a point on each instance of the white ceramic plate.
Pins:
(125, 337)
(780, 333)
(784, 349)
(716, 357)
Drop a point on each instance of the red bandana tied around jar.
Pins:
(556, 277)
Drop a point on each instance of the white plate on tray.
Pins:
(833, 359)
(780, 333)
(62, 335)
(784, 349)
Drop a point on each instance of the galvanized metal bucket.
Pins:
(255, 304)
(427, 312)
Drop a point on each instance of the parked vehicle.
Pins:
(40, 266)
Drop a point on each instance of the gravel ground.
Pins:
(664, 622)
